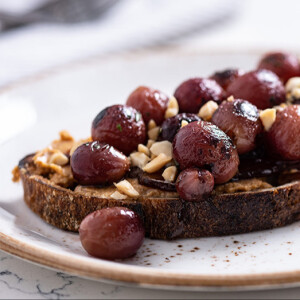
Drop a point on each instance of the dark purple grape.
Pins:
(151, 103)
(194, 185)
(239, 119)
(195, 92)
(112, 233)
(224, 78)
(170, 126)
(283, 138)
(120, 126)
(98, 163)
(203, 145)
(284, 65)
(262, 88)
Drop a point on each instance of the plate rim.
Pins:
(136, 275)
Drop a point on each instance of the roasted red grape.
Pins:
(120, 126)
(239, 119)
(98, 163)
(193, 184)
(284, 65)
(283, 138)
(195, 92)
(151, 103)
(112, 233)
(202, 144)
(170, 126)
(224, 78)
(262, 88)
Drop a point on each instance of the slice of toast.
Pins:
(165, 215)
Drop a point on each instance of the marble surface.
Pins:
(22, 280)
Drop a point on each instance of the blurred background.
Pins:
(40, 34)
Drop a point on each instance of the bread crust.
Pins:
(218, 215)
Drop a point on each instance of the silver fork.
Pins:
(58, 11)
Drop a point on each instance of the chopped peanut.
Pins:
(292, 83)
(164, 147)
(143, 149)
(151, 124)
(118, 196)
(268, 117)
(169, 173)
(157, 163)
(153, 133)
(184, 123)
(150, 143)
(139, 159)
(58, 158)
(172, 109)
(230, 99)
(207, 110)
(125, 187)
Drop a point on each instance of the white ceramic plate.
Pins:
(34, 111)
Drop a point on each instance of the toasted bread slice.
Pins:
(165, 215)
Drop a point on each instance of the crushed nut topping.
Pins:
(207, 110)
(151, 124)
(65, 142)
(118, 196)
(172, 109)
(153, 133)
(139, 159)
(150, 143)
(268, 117)
(157, 163)
(184, 123)
(125, 187)
(169, 173)
(143, 149)
(164, 147)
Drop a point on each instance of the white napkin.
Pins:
(129, 24)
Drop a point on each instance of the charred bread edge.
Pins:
(218, 215)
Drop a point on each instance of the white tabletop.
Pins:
(258, 24)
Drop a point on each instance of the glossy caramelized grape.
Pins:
(170, 126)
(202, 144)
(120, 126)
(193, 184)
(283, 138)
(284, 65)
(151, 103)
(224, 78)
(239, 119)
(262, 88)
(112, 233)
(195, 92)
(98, 163)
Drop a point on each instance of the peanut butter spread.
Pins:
(245, 185)
(144, 191)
